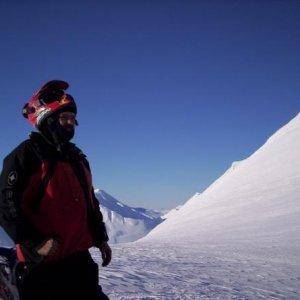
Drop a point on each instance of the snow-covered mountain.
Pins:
(256, 202)
(239, 239)
(125, 223)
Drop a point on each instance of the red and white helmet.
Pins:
(50, 98)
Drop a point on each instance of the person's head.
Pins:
(53, 112)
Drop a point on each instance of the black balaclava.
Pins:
(55, 133)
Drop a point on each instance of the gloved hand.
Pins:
(29, 252)
(106, 253)
(47, 248)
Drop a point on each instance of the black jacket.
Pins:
(20, 166)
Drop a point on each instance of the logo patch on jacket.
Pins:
(12, 178)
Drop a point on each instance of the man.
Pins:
(48, 206)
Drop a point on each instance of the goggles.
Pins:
(51, 96)
(56, 95)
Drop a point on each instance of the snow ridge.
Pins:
(125, 223)
(257, 199)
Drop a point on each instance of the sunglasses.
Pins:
(67, 118)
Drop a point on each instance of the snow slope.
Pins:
(256, 200)
(171, 212)
(5, 240)
(239, 239)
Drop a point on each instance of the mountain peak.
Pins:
(125, 223)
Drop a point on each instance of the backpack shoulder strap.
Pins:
(36, 150)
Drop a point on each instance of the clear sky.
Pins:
(169, 92)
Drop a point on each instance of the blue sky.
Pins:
(169, 92)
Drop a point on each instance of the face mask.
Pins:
(66, 125)
(66, 132)
(59, 129)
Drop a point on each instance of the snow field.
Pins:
(165, 271)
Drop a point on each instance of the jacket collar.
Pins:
(49, 149)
